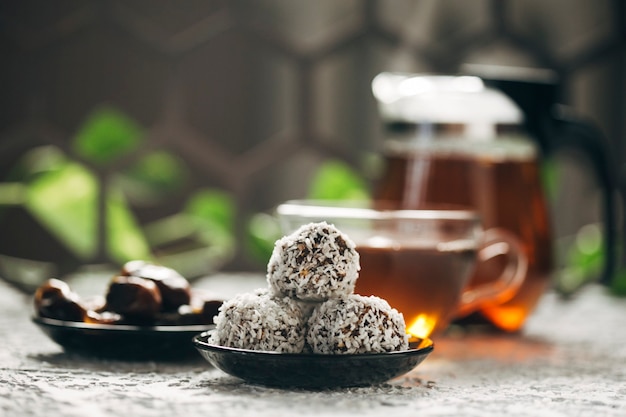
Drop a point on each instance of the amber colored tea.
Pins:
(423, 283)
(505, 190)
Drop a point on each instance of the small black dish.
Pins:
(290, 370)
(123, 342)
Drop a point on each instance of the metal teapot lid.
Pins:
(442, 99)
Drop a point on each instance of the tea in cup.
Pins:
(420, 261)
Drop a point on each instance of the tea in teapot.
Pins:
(450, 141)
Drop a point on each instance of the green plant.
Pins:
(333, 180)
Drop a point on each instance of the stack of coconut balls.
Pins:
(310, 305)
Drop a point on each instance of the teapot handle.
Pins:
(572, 131)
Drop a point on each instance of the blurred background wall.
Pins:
(229, 107)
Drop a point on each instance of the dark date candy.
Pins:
(175, 289)
(103, 317)
(54, 299)
(201, 312)
(137, 299)
(210, 309)
(142, 294)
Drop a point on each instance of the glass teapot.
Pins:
(453, 141)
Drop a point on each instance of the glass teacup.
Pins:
(420, 261)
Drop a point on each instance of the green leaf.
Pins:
(262, 232)
(107, 134)
(550, 177)
(618, 285)
(200, 238)
(214, 208)
(336, 180)
(65, 201)
(213, 213)
(125, 239)
(12, 193)
(37, 161)
(584, 260)
(160, 169)
(587, 253)
(153, 177)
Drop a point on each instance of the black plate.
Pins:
(123, 341)
(312, 370)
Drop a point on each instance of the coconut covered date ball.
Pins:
(314, 263)
(258, 321)
(356, 324)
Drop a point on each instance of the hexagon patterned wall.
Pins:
(184, 121)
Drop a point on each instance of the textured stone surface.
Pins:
(569, 361)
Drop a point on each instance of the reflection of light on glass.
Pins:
(497, 249)
(388, 87)
(468, 84)
(384, 87)
(380, 242)
(415, 85)
(506, 317)
(422, 326)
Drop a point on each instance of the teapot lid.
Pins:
(424, 98)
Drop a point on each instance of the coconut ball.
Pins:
(356, 324)
(314, 263)
(259, 321)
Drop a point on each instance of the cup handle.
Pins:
(497, 242)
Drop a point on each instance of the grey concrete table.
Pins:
(570, 360)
